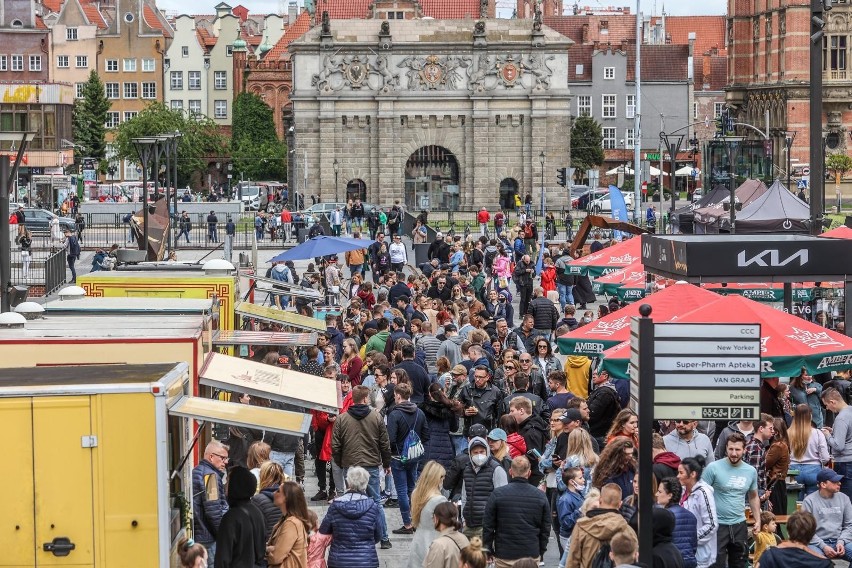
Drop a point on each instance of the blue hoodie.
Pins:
(568, 509)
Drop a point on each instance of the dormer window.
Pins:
(17, 24)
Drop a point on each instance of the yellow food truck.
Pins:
(95, 467)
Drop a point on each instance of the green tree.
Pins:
(200, 137)
(586, 145)
(257, 152)
(838, 164)
(89, 120)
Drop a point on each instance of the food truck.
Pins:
(98, 474)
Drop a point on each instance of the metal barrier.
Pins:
(54, 272)
(45, 269)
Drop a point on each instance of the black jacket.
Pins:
(271, 514)
(517, 521)
(487, 403)
(665, 553)
(522, 276)
(405, 417)
(545, 315)
(419, 378)
(603, 406)
(241, 541)
(441, 250)
(536, 433)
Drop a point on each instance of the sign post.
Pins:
(642, 381)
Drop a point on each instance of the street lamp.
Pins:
(673, 143)
(336, 167)
(789, 137)
(146, 148)
(541, 160)
(733, 148)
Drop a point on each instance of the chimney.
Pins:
(624, 45)
(690, 69)
(585, 34)
(292, 12)
(706, 70)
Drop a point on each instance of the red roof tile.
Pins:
(93, 14)
(39, 24)
(294, 31)
(659, 62)
(580, 55)
(343, 9)
(155, 21)
(712, 70)
(709, 31)
(205, 38)
(52, 5)
(450, 9)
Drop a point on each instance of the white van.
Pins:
(253, 197)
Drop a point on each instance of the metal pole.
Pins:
(817, 178)
(637, 121)
(673, 150)
(646, 430)
(173, 224)
(788, 297)
(144, 244)
(5, 228)
(662, 228)
(305, 171)
(168, 153)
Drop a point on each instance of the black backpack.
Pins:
(601, 558)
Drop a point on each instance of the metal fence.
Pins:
(44, 268)
(54, 272)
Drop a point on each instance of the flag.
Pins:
(618, 208)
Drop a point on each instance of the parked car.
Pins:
(602, 204)
(697, 194)
(327, 207)
(584, 200)
(38, 220)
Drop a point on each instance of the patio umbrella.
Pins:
(768, 292)
(841, 232)
(788, 343)
(594, 338)
(607, 260)
(628, 284)
(626, 169)
(321, 246)
(686, 171)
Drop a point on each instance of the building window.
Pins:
(112, 90)
(62, 61)
(630, 110)
(717, 109)
(694, 110)
(584, 105)
(149, 65)
(608, 103)
(35, 62)
(4, 63)
(220, 80)
(130, 65)
(129, 114)
(71, 34)
(82, 61)
(834, 56)
(149, 90)
(184, 51)
(177, 80)
(177, 105)
(131, 171)
(78, 90)
(608, 138)
(195, 107)
(609, 73)
(229, 50)
(131, 90)
(112, 119)
(220, 109)
(629, 138)
(194, 80)
(112, 65)
(17, 63)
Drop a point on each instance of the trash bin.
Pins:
(244, 260)
(18, 295)
(302, 236)
(421, 253)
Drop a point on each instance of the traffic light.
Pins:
(720, 125)
(562, 176)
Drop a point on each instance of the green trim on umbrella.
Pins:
(584, 346)
(764, 294)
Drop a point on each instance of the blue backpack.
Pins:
(412, 447)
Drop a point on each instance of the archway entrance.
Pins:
(356, 189)
(508, 191)
(432, 179)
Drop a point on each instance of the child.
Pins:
(192, 554)
(766, 537)
(569, 503)
(317, 543)
(548, 276)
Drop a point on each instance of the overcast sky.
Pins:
(673, 7)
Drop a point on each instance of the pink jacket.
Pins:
(318, 543)
(502, 266)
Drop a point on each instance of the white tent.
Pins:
(626, 169)
(686, 171)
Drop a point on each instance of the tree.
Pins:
(839, 164)
(255, 147)
(89, 120)
(200, 137)
(586, 145)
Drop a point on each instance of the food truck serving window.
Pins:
(280, 316)
(268, 419)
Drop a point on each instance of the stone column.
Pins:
(480, 155)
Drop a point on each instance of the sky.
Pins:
(673, 7)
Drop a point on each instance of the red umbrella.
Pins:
(841, 232)
(609, 259)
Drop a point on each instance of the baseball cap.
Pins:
(826, 474)
(439, 235)
(450, 327)
(497, 434)
(458, 370)
(572, 415)
(477, 431)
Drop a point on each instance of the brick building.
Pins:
(24, 43)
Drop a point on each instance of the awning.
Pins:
(608, 259)
(240, 337)
(267, 381)
(269, 419)
(288, 288)
(283, 317)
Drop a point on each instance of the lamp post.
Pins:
(146, 148)
(8, 175)
(541, 160)
(336, 167)
(673, 143)
(732, 147)
(789, 137)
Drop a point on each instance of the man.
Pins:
(557, 383)
(572, 419)
(499, 223)
(509, 339)
(565, 283)
(839, 436)
(373, 249)
(481, 475)
(398, 289)
(597, 528)
(280, 272)
(185, 226)
(744, 427)
(72, 253)
(517, 519)
(530, 232)
(230, 235)
(482, 218)
(603, 406)
(212, 232)
(286, 224)
(336, 221)
(356, 259)
(536, 384)
(429, 345)
(687, 442)
(535, 431)
(651, 218)
(665, 463)
(833, 513)
(417, 375)
(523, 277)
(481, 399)
(624, 550)
(439, 249)
(208, 497)
(397, 252)
(544, 313)
(403, 419)
(333, 280)
(526, 332)
(284, 447)
(397, 332)
(358, 214)
(755, 452)
(379, 340)
(394, 220)
(359, 438)
(539, 406)
(451, 346)
(733, 481)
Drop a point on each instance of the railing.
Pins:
(54, 272)
(45, 269)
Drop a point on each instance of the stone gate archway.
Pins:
(432, 179)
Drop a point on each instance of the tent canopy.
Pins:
(626, 169)
(321, 246)
(686, 171)
(713, 217)
(607, 260)
(774, 211)
(841, 232)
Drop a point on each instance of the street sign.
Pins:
(806, 171)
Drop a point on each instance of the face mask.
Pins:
(479, 459)
(587, 320)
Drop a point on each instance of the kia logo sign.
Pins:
(771, 257)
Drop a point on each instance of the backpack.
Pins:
(601, 558)
(393, 215)
(412, 447)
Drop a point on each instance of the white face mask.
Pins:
(479, 459)
(587, 320)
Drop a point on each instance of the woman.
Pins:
(240, 539)
(445, 549)
(355, 285)
(472, 556)
(808, 449)
(515, 443)
(365, 294)
(579, 453)
(271, 477)
(192, 554)
(426, 496)
(548, 276)
(616, 465)
(25, 240)
(550, 463)
(699, 501)
(543, 358)
(456, 294)
(381, 264)
(504, 376)
(625, 425)
(499, 450)
(777, 465)
(351, 363)
(353, 520)
(685, 535)
(804, 390)
(441, 418)
(258, 453)
(630, 504)
(240, 438)
(795, 553)
(288, 545)
(80, 223)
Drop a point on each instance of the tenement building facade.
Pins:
(439, 114)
